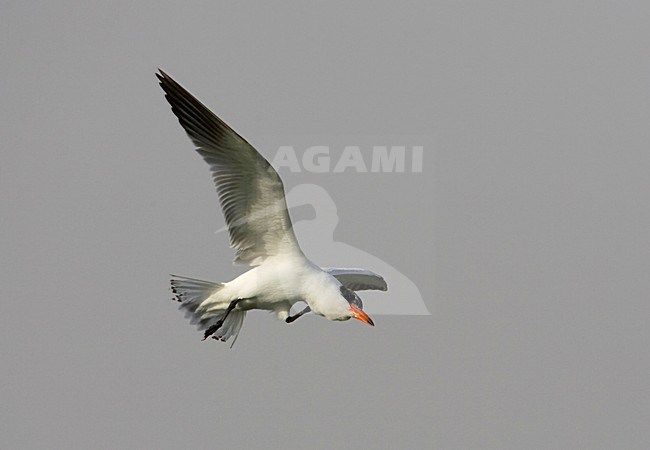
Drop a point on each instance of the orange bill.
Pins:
(360, 315)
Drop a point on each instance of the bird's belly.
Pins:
(268, 284)
(274, 287)
(263, 303)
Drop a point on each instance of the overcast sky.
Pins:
(526, 233)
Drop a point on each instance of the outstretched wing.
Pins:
(250, 191)
(358, 279)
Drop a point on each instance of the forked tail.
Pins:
(192, 293)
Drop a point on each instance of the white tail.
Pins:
(192, 293)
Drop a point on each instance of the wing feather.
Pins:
(358, 279)
(250, 191)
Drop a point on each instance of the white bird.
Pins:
(251, 194)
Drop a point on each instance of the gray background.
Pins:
(527, 233)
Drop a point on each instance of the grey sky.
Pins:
(526, 232)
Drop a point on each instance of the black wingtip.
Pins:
(163, 81)
(163, 78)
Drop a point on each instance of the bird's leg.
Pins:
(292, 318)
(213, 329)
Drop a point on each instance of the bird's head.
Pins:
(345, 305)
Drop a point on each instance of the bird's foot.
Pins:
(213, 329)
(297, 316)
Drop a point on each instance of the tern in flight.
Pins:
(251, 195)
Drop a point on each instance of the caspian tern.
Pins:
(252, 198)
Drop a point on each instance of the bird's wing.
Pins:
(358, 279)
(250, 191)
